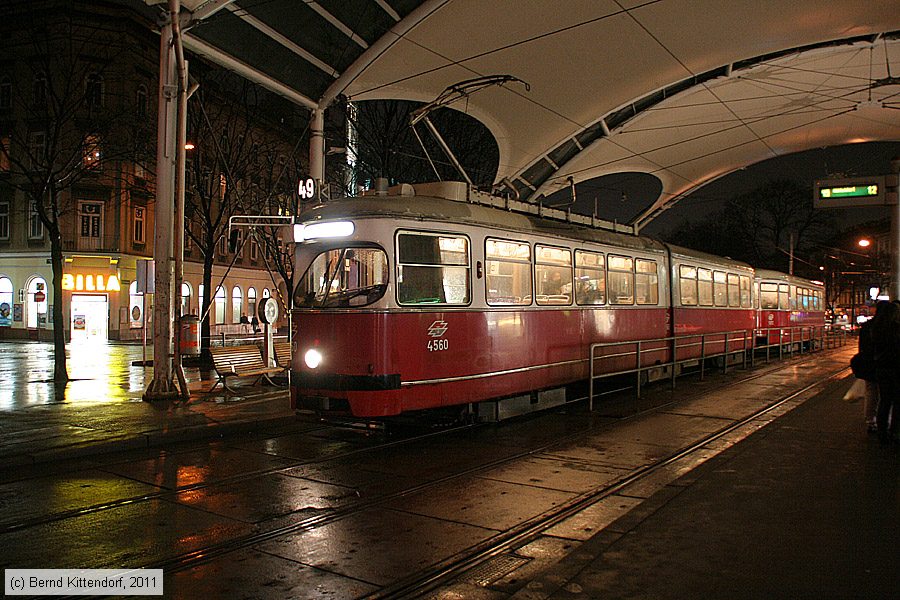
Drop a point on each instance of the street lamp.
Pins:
(864, 243)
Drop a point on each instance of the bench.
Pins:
(282, 355)
(239, 361)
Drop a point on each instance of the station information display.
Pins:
(844, 193)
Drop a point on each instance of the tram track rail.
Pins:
(454, 566)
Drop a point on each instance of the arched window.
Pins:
(220, 305)
(35, 309)
(265, 293)
(136, 306)
(251, 302)
(185, 298)
(6, 301)
(237, 304)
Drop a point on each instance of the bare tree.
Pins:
(234, 131)
(388, 146)
(71, 125)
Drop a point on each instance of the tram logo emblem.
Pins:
(437, 329)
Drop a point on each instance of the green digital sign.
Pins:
(850, 191)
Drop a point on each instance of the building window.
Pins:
(39, 90)
(35, 227)
(4, 220)
(237, 304)
(91, 152)
(139, 224)
(5, 93)
(4, 153)
(220, 305)
(93, 91)
(223, 246)
(254, 250)
(185, 298)
(91, 220)
(37, 147)
(140, 104)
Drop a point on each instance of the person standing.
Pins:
(886, 337)
(866, 364)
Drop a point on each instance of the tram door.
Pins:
(90, 318)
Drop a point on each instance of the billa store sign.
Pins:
(90, 283)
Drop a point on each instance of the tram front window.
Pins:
(343, 277)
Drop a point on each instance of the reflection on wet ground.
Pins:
(100, 372)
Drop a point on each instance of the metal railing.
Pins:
(641, 356)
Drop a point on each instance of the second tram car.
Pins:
(786, 302)
(419, 302)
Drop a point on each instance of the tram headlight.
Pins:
(312, 358)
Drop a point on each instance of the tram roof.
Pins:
(684, 91)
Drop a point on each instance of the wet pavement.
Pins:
(101, 408)
(313, 510)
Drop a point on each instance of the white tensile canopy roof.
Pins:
(684, 90)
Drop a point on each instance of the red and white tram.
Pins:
(786, 303)
(414, 302)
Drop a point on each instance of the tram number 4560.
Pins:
(438, 345)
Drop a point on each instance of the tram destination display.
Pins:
(848, 193)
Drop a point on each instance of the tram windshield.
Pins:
(343, 277)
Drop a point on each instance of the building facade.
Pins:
(105, 201)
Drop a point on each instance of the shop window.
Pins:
(220, 305)
(136, 306)
(6, 301)
(431, 268)
(590, 278)
(507, 272)
(237, 305)
(553, 275)
(185, 298)
(251, 302)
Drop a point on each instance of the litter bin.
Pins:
(190, 335)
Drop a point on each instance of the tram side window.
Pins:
(802, 299)
(646, 282)
(621, 279)
(343, 277)
(507, 273)
(784, 300)
(768, 296)
(590, 278)
(745, 292)
(794, 300)
(553, 275)
(687, 283)
(720, 288)
(432, 268)
(734, 290)
(705, 287)
(817, 300)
